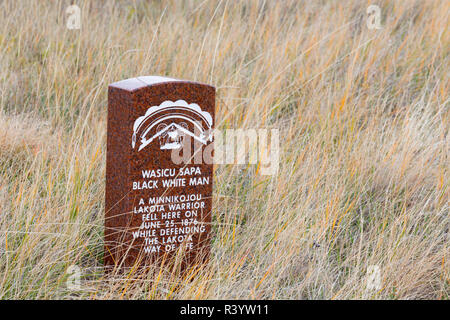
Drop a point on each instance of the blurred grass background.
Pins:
(363, 116)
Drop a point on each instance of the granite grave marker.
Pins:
(155, 207)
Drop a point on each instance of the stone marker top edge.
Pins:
(133, 84)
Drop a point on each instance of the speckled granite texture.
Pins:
(125, 207)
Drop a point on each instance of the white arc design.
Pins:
(180, 109)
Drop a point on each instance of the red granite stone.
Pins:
(146, 220)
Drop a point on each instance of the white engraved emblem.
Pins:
(170, 123)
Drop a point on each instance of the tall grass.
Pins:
(364, 162)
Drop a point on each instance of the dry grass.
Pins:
(364, 116)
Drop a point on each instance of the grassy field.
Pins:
(363, 116)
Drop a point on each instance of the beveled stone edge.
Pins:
(136, 83)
